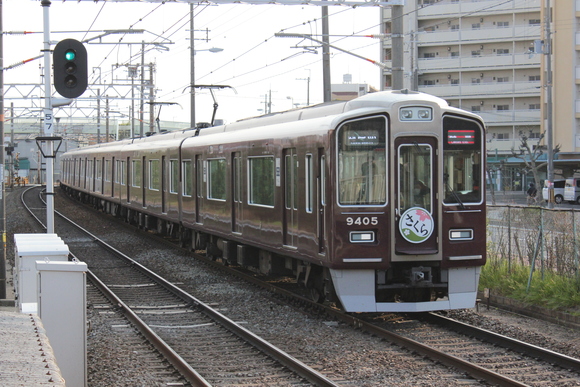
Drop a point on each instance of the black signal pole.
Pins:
(2, 162)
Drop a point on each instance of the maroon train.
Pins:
(377, 201)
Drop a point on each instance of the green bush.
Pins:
(553, 291)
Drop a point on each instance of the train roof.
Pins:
(276, 124)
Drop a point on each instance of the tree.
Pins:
(530, 154)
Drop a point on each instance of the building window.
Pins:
(476, 53)
(388, 54)
(454, 27)
(454, 54)
(534, 78)
(503, 51)
(428, 55)
(475, 80)
(503, 107)
(503, 24)
(502, 136)
(503, 79)
(534, 106)
(475, 26)
(476, 108)
(534, 22)
(454, 81)
(429, 82)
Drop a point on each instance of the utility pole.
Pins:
(2, 161)
(397, 50)
(549, 128)
(325, 56)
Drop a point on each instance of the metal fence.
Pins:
(542, 238)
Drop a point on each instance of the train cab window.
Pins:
(262, 181)
(462, 161)
(187, 181)
(415, 176)
(154, 175)
(136, 173)
(362, 163)
(216, 185)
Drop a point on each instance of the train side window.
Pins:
(362, 162)
(187, 182)
(309, 182)
(216, 185)
(462, 161)
(121, 172)
(136, 173)
(173, 176)
(99, 174)
(261, 181)
(107, 176)
(154, 175)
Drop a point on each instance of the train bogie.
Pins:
(376, 200)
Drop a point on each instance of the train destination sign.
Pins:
(461, 137)
(363, 138)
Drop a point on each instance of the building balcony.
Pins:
(502, 146)
(510, 117)
(455, 8)
(496, 62)
(483, 90)
(446, 36)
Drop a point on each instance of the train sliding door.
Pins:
(290, 197)
(236, 192)
(416, 201)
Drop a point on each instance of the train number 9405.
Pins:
(362, 221)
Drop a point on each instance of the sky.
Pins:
(253, 62)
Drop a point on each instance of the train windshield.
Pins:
(362, 162)
(415, 176)
(462, 161)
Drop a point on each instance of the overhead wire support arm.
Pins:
(306, 36)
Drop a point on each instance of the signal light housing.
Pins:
(70, 68)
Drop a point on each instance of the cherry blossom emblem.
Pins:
(416, 225)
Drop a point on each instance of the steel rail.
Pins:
(172, 357)
(561, 360)
(282, 357)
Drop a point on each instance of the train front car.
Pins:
(409, 212)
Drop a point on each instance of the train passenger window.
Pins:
(173, 176)
(462, 161)
(262, 181)
(107, 175)
(415, 182)
(216, 185)
(309, 182)
(136, 173)
(362, 164)
(187, 181)
(99, 174)
(121, 172)
(154, 175)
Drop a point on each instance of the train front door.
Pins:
(290, 197)
(416, 199)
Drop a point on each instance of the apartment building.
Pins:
(479, 56)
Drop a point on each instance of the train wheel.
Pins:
(315, 286)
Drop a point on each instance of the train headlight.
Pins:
(362, 236)
(461, 235)
(416, 113)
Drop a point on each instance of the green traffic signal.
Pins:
(70, 54)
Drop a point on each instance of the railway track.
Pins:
(206, 347)
(516, 365)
